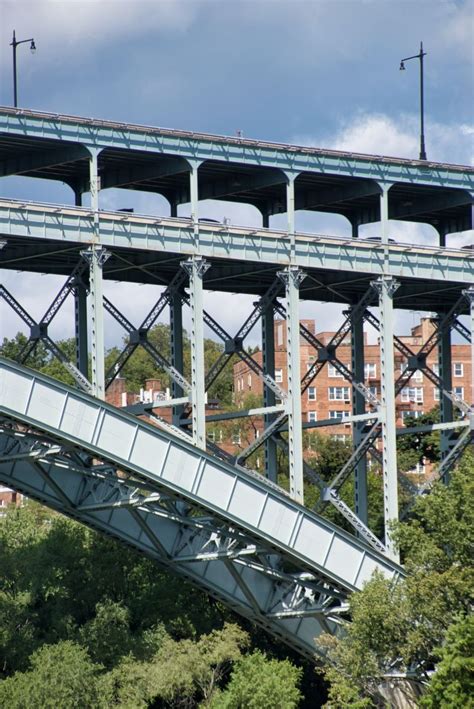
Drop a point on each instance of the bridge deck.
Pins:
(48, 238)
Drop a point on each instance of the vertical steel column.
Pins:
(268, 362)
(176, 331)
(469, 294)
(446, 376)
(292, 277)
(290, 210)
(194, 197)
(80, 314)
(385, 187)
(355, 229)
(173, 209)
(386, 287)
(265, 220)
(196, 267)
(358, 407)
(96, 257)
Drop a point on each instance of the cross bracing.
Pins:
(186, 257)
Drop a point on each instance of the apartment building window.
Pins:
(459, 393)
(419, 469)
(338, 394)
(334, 372)
(311, 393)
(341, 437)
(435, 367)
(458, 369)
(436, 394)
(412, 394)
(236, 439)
(418, 376)
(341, 415)
(312, 416)
(411, 414)
(215, 436)
(279, 335)
(370, 369)
(374, 391)
(278, 376)
(249, 381)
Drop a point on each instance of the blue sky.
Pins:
(318, 72)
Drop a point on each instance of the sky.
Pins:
(314, 72)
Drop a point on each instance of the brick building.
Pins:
(329, 396)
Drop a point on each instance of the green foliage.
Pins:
(107, 636)
(258, 682)
(61, 675)
(407, 626)
(452, 685)
(418, 447)
(41, 358)
(85, 622)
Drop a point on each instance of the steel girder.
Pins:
(311, 252)
(100, 134)
(85, 458)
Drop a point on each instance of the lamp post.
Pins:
(14, 43)
(422, 118)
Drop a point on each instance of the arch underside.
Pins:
(233, 534)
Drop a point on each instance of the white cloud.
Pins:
(379, 134)
(84, 22)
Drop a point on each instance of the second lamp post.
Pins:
(422, 117)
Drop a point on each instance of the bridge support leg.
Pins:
(292, 278)
(80, 314)
(176, 330)
(386, 287)
(469, 294)
(96, 256)
(445, 374)
(80, 318)
(358, 407)
(196, 267)
(268, 354)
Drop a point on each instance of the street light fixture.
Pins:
(422, 117)
(14, 43)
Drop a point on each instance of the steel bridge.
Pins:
(165, 488)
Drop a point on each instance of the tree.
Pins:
(61, 675)
(452, 685)
(257, 681)
(188, 668)
(404, 627)
(107, 636)
(419, 447)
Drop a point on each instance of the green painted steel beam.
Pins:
(24, 162)
(435, 202)
(317, 198)
(103, 134)
(74, 225)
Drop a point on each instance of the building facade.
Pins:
(329, 397)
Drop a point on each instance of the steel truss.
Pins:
(368, 424)
(86, 476)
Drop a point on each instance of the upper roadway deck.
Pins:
(58, 147)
